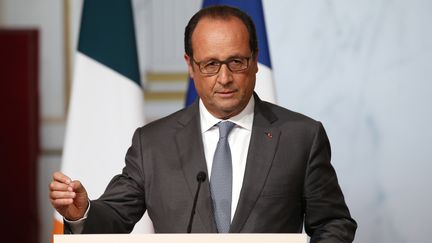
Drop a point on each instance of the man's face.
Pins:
(226, 93)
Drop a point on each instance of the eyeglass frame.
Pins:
(226, 62)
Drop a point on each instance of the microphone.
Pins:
(201, 177)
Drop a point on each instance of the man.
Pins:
(278, 173)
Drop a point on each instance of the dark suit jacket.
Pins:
(288, 179)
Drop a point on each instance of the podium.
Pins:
(181, 238)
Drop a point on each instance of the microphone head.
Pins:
(201, 176)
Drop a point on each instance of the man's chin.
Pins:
(229, 110)
(227, 106)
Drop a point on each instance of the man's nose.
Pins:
(225, 75)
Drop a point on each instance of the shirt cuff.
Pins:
(76, 226)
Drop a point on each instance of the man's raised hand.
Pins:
(68, 197)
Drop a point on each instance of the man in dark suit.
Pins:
(279, 161)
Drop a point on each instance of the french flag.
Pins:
(107, 102)
(264, 86)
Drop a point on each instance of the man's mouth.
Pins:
(226, 93)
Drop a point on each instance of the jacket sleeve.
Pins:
(123, 202)
(327, 218)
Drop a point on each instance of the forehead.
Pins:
(220, 38)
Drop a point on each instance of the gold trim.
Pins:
(67, 53)
(53, 120)
(51, 152)
(164, 96)
(167, 76)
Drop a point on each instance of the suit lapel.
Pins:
(192, 158)
(262, 148)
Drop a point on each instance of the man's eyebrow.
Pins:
(216, 59)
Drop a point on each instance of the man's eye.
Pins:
(237, 61)
(212, 64)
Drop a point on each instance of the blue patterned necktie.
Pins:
(221, 179)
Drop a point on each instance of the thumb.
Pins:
(77, 187)
(81, 198)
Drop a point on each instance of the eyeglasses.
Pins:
(234, 64)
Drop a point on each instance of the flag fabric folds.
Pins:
(107, 102)
(264, 86)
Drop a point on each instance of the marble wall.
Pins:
(364, 68)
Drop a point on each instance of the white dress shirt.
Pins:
(238, 139)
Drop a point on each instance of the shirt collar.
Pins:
(244, 119)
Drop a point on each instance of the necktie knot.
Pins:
(225, 128)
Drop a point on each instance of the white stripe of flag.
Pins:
(107, 102)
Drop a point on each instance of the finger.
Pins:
(59, 186)
(54, 195)
(58, 176)
(77, 186)
(61, 202)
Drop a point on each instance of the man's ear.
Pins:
(255, 61)
(189, 63)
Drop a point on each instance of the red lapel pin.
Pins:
(269, 135)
